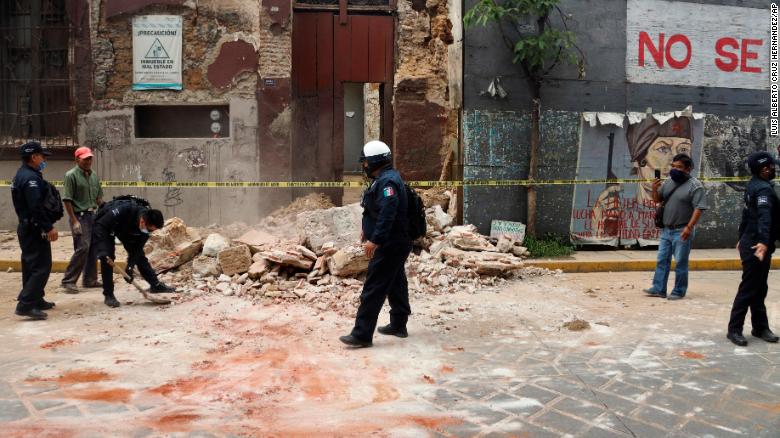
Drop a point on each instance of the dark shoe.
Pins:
(389, 330)
(162, 288)
(36, 314)
(93, 285)
(70, 288)
(111, 301)
(674, 297)
(46, 305)
(737, 339)
(766, 335)
(354, 342)
(652, 293)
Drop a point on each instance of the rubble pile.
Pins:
(324, 264)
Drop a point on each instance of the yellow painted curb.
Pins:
(563, 265)
(56, 266)
(638, 265)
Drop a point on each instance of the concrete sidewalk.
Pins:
(723, 259)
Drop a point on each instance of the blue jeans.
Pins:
(669, 245)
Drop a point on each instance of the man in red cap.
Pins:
(82, 195)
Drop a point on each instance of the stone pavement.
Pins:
(498, 363)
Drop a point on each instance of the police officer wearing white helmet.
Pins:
(387, 244)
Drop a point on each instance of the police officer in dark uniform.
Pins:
(757, 234)
(130, 220)
(35, 231)
(387, 245)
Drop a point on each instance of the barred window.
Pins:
(35, 77)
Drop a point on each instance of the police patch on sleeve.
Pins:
(32, 183)
(762, 200)
(388, 191)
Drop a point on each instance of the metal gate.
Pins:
(36, 93)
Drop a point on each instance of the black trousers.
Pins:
(751, 293)
(386, 278)
(135, 257)
(36, 265)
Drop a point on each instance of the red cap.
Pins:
(83, 152)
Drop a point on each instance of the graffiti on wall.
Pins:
(673, 42)
(614, 148)
(172, 194)
(727, 143)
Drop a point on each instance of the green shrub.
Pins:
(548, 245)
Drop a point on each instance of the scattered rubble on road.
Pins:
(323, 264)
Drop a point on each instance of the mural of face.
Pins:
(659, 155)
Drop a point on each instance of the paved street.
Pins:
(497, 363)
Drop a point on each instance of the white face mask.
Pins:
(144, 230)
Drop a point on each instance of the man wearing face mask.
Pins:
(130, 220)
(387, 244)
(683, 197)
(35, 231)
(757, 234)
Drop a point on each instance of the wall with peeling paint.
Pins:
(496, 133)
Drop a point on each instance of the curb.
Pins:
(573, 266)
(56, 266)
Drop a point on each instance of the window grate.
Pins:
(35, 73)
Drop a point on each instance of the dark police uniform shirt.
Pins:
(760, 215)
(28, 189)
(120, 219)
(385, 209)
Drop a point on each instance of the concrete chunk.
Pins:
(214, 244)
(173, 245)
(340, 225)
(235, 260)
(348, 261)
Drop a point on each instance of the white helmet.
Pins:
(376, 153)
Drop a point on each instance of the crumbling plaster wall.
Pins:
(207, 26)
(427, 92)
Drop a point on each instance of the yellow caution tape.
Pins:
(358, 184)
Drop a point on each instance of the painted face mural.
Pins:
(653, 145)
(623, 214)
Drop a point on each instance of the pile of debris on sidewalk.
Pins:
(324, 264)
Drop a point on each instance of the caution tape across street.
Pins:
(358, 184)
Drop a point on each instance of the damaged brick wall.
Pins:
(234, 53)
(426, 116)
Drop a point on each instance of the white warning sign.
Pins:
(157, 52)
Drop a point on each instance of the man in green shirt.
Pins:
(82, 195)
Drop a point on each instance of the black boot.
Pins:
(391, 331)
(46, 305)
(111, 301)
(162, 288)
(354, 342)
(34, 313)
(766, 335)
(737, 339)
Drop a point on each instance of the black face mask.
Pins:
(678, 176)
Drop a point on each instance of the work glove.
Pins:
(130, 274)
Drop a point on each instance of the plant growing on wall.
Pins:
(537, 33)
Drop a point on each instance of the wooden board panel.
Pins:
(304, 54)
(359, 45)
(324, 58)
(376, 49)
(342, 49)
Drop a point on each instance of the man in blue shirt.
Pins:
(387, 244)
